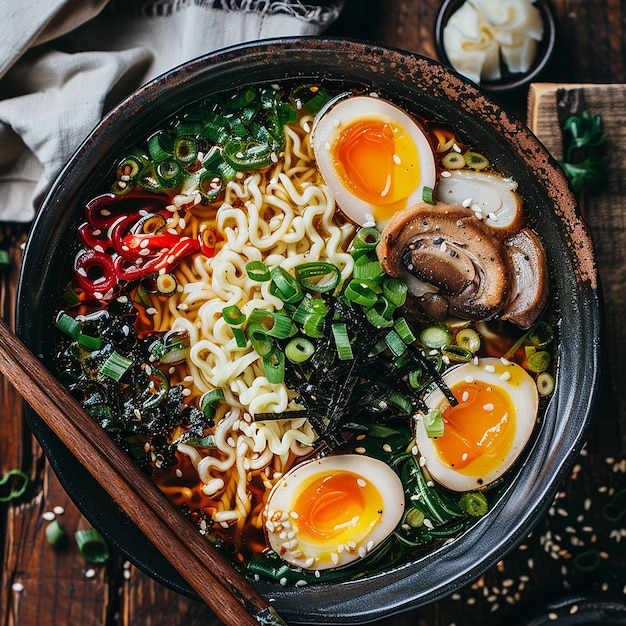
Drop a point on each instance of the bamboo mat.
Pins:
(605, 213)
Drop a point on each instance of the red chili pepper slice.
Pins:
(136, 243)
(171, 258)
(208, 239)
(94, 272)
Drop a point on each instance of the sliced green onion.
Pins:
(272, 323)
(545, 384)
(539, 361)
(185, 150)
(169, 352)
(247, 155)
(435, 336)
(401, 403)
(453, 161)
(210, 185)
(115, 366)
(365, 268)
(394, 343)
(366, 239)
(403, 329)
(168, 173)
(16, 491)
(55, 533)
(208, 400)
(474, 503)
(468, 339)
(257, 270)
(475, 160)
(240, 337)
(395, 290)
(433, 423)
(285, 286)
(414, 518)
(232, 315)
(456, 354)
(243, 98)
(207, 441)
(428, 195)
(342, 341)
(363, 292)
(68, 325)
(274, 364)
(318, 277)
(299, 350)
(378, 319)
(90, 343)
(160, 146)
(91, 545)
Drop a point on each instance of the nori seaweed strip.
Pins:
(420, 356)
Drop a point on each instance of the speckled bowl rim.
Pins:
(411, 81)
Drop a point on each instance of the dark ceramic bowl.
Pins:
(510, 81)
(413, 82)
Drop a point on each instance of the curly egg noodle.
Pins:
(283, 217)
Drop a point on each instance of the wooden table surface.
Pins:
(580, 546)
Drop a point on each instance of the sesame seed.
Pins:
(505, 376)
(90, 573)
(48, 516)
(17, 587)
(445, 174)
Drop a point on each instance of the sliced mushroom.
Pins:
(529, 265)
(449, 249)
(491, 197)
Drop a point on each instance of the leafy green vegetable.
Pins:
(585, 159)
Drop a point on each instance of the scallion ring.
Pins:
(91, 545)
(319, 276)
(433, 423)
(366, 239)
(258, 271)
(299, 349)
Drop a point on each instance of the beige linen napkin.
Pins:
(64, 63)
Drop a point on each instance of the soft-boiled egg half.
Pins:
(485, 433)
(375, 159)
(328, 512)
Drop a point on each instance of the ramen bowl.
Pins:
(413, 83)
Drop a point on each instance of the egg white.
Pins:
(509, 378)
(282, 519)
(330, 122)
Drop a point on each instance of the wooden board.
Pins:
(605, 212)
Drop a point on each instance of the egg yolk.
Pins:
(378, 162)
(479, 431)
(336, 508)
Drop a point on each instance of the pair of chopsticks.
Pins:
(228, 593)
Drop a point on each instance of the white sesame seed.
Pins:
(48, 516)
(445, 174)
(17, 587)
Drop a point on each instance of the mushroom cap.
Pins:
(448, 248)
(529, 292)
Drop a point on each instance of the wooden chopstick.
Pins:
(228, 593)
